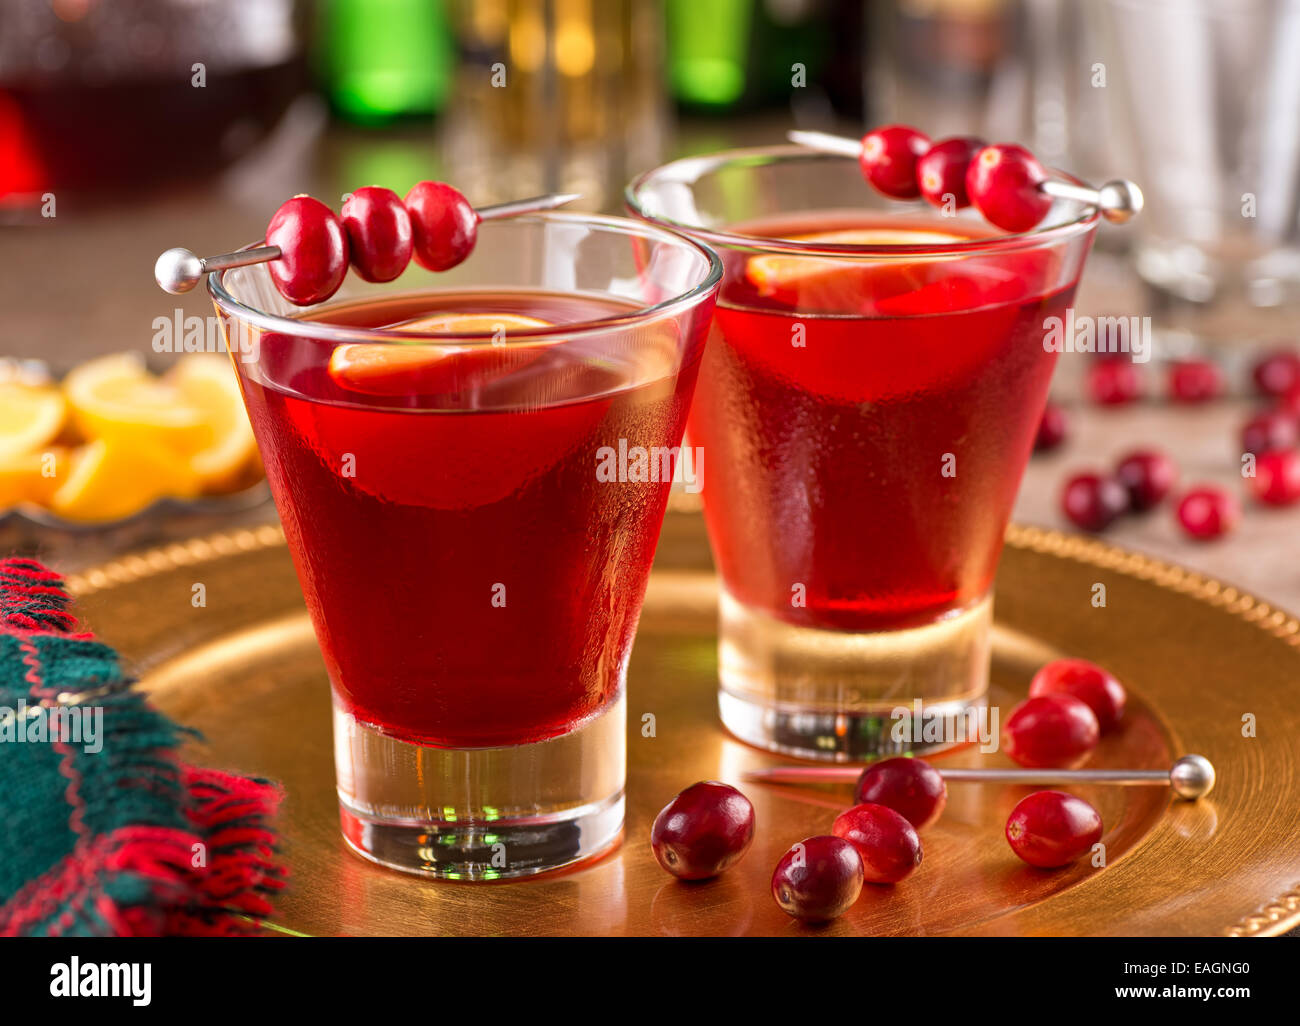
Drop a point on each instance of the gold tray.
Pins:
(1197, 656)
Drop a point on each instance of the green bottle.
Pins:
(384, 59)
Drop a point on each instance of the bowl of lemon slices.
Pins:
(112, 441)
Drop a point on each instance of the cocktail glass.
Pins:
(868, 400)
(435, 449)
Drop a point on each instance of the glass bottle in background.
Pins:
(555, 96)
(382, 59)
(725, 55)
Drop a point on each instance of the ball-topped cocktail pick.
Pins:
(1191, 777)
(178, 270)
(1009, 186)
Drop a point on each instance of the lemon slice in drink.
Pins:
(116, 397)
(389, 369)
(769, 273)
(30, 417)
(208, 383)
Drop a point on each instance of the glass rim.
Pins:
(330, 332)
(758, 156)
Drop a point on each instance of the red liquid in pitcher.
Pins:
(866, 426)
(471, 581)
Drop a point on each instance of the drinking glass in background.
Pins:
(435, 449)
(867, 403)
(1213, 95)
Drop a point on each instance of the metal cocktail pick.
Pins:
(1192, 776)
(1119, 200)
(179, 270)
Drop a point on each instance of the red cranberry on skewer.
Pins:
(1050, 829)
(1052, 428)
(911, 787)
(1276, 373)
(889, 159)
(1093, 501)
(1270, 431)
(1277, 478)
(885, 840)
(1052, 730)
(703, 831)
(1148, 476)
(941, 171)
(313, 257)
(818, 879)
(1208, 512)
(1115, 382)
(1195, 381)
(379, 233)
(1003, 181)
(443, 224)
(1089, 683)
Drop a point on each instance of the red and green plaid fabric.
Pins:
(125, 840)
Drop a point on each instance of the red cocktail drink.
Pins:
(866, 407)
(438, 451)
(471, 582)
(915, 387)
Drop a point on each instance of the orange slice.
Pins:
(116, 397)
(30, 417)
(389, 369)
(208, 383)
(771, 273)
(116, 477)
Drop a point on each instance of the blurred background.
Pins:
(130, 126)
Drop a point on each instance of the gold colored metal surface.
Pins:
(1198, 656)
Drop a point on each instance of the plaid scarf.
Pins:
(105, 831)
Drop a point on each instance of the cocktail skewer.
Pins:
(1192, 776)
(1119, 200)
(178, 270)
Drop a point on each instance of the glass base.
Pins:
(481, 813)
(836, 695)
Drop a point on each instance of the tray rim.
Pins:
(1272, 918)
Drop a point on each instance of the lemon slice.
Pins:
(116, 397)
(209, 384)
(115, 477)
(388, 369)
(772, 271)
(30, 417)
(32, 476)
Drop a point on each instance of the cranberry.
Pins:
(443, 224)
(1270, 431)
(1195, 381)
(379, 233)
(1115, 382)
(1276, 373)
(911, 787)
(1050, 829)
(313, 251)
(1052, 428)
(1148, 476)
(1003, 181)
(885, 840)
(1089, 683)
(1055, 729)
(703, 831)
(889, 158)
(1093, 501)
(1277, 478)
(1290, 402)
(818, 879)
(1208, 511)
(941, 172)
